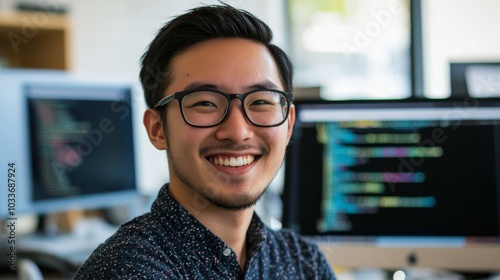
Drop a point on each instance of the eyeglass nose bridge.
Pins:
(231, 97)
(241, 97)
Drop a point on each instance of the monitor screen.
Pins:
(81, 147)
(397, 183)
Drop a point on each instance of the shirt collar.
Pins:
(175, 218)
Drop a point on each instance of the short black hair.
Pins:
(198, 25)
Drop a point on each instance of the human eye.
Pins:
(262, 99)
(203, 101)
(204, 104)
(262, 102)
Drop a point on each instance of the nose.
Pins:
(235, 127)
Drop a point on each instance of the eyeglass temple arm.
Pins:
(164, 101)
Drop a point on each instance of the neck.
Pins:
(229, 225)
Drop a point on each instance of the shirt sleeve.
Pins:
(127, 260)
(312, 263)
(325, 270)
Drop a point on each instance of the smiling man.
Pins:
(220, 105)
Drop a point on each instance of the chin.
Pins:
(234, 200)
(234, 204)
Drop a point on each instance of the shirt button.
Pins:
(226, 252)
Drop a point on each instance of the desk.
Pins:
(60, 254)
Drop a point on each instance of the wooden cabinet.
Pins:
(34, 40)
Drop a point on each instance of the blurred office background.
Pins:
(348, 49)
(342, 50)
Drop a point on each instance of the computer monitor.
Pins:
(81, 146)
(397, 184)
(14, 146)
(475, 79)
(70, 141)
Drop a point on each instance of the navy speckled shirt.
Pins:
(169, 243)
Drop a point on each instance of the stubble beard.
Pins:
(208, 193)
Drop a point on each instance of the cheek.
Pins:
(175, 127)
(276, 139)
(185, 140)
(180, 139)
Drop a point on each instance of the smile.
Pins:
(232, 161)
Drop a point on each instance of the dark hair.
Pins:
(197, 25)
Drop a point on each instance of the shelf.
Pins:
(34, 40)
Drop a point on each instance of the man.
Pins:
(219, 103)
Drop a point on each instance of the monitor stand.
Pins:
(412, 273)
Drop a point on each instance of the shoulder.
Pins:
(288, 240)
(304, 254)
(135, 249)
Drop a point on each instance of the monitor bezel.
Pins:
(78, 91)
(353, 253)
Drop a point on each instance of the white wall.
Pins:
(109, 38)
(457, 30)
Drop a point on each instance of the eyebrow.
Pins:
(267, 84)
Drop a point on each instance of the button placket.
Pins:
(226, 252)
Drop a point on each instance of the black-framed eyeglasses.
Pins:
(209, 107)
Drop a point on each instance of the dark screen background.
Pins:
(463, 181)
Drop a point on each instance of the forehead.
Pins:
(230, 64)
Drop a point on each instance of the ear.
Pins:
(291, 121)
(154, 127)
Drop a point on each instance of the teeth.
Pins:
(233, 161)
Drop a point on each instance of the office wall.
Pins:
(457, 30)
(109, 37)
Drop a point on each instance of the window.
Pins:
(352, 49)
